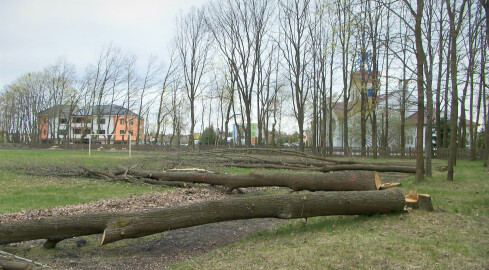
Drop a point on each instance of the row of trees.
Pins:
(240, 61)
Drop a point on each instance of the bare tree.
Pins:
(295, 18)
(193, 47)
(239, 28)
(485, 5)
(149, 80)
(428, 72)
(169, 71)
(455, 24)
(106, 70)
(130, 80)
(374, 15)
(442, 41)
(59, 79)
(344, 14)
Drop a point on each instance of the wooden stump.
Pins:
(419, 201)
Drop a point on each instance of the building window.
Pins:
(130, 132)
(62, 120)
(44, 131)
(121, 131)
(121, 121)
(101, 131)
(77, 131)
(78, 120)
(101, 121)
(131, 122)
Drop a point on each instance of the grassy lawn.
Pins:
(454, 236)
(23, 192)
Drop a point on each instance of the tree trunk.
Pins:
(368, 167)
(337, 181)
(118, 226)
(420, 58)
(278, 206)
(454, 31)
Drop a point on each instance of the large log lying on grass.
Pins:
(381, 167)
(335, 181)
(368, 167)
(118, 226)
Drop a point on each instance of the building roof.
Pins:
(63, 109)
(85, 111)
(413, 118)
(106, 110)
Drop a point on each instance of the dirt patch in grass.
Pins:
(133, 203)
(151, 252)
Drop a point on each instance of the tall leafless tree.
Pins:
(455, 23)
(193, 46)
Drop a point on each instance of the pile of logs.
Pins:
(294, 160)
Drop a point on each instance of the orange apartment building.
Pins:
(64, 123)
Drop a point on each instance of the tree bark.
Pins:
(454, 31)
(118, 226)
(281, 206)
(335, 181)
(420, 59)
(368, 167)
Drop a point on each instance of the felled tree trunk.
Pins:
(118, 226)
(368, 167)
(335, 181)
(271, 166)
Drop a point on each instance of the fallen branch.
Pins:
(294, 153)
(118, 226)
(13, 265)
(3, 253)
(390, 185)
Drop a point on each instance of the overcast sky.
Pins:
(36, 33)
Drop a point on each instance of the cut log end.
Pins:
(378, 181)
(103, 239)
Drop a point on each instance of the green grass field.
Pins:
(454, 236)
(19, 191)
